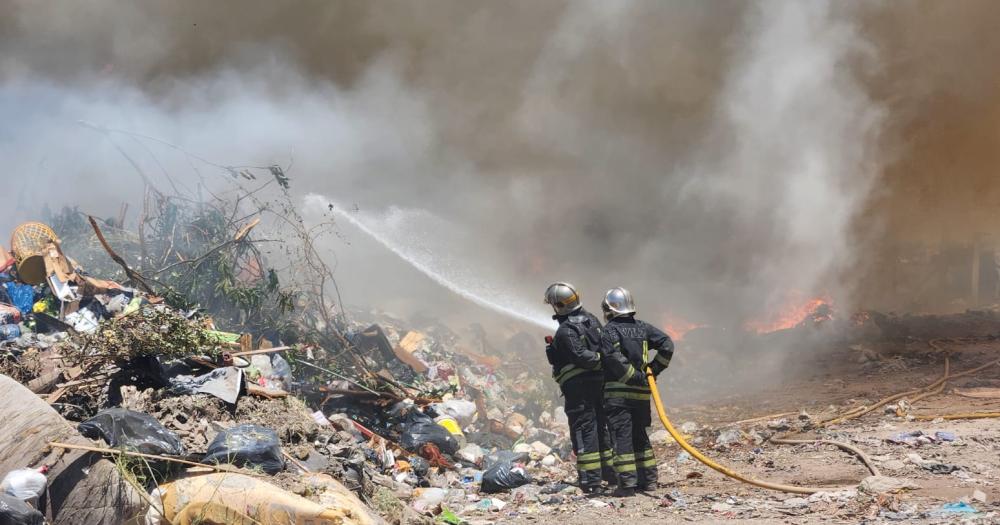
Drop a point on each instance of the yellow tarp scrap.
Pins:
(223, 498)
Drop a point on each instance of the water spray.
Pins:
(449, 273)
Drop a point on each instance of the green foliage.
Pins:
(149, 331)
(189, 254)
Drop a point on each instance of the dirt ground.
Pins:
(823, 386)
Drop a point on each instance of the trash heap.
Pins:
(194, 417)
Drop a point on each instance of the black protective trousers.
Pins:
(634, 461)
(588, 430)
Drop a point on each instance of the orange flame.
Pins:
(676, 327)
(790, 316)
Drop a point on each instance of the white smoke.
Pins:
(791, 158)
(711, 167)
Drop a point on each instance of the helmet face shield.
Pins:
(617, 302)
(563, 298)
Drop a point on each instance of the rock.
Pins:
(778, 424)
(660, 436)
(945, 436)
(689, 427)
(893, 465)
(728, 437)
(539, 450)
(915, 459)
(516, 423)
(428, 499)
(794, 503)
(979, 496)
(548, 461)
(721, 507)
(878, 484)
(684, 457)
(471, 453)
(522, 448)
(829, 497)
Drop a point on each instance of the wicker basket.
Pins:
(27, 243)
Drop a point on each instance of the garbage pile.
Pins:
(194, 416)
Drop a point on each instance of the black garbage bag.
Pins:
(134, 431)
(16, 512)
(248, 446)
(504, 473)
(419, 429)
(420, 466)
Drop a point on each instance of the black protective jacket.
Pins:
(575, 349)
(626, 346)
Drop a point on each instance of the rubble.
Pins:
(378, 410)
(219, 361)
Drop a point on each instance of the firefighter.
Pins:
(627, 343)
(574, 354)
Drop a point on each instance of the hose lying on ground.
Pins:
(736, 475)
(932, 389)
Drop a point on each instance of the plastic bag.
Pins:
(247, 445)
(9, 314)
(419, 429)
(9, 332)
(504, 474)
(21, 295)
(132, 431)
(463, 411)
(16, 512)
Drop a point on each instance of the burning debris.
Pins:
(184, 332)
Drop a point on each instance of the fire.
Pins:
(676, 327)
(791, 315)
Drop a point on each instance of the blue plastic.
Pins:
(9, 332)
(21, 295)
(960, 507)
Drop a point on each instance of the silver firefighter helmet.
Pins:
(563, 298)
(617, 302)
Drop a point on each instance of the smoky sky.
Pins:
(715, 157)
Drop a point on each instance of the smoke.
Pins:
(715, 158)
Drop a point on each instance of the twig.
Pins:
(262, 351)
(132, 274)
(115, 451)
(238, 238)
(335, 374)
(295, 462)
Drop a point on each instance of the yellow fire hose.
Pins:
(736, 475)
(932, 389)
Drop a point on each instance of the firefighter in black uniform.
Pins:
(574, 354)
(627, 343)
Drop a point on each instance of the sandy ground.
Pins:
(835, 382)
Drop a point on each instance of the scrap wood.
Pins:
(420, 401)
(132, 274)
(391, 381)
(116, 451)
(270, 393)
(295, 462)
(262, 351)
(978, 393)
(763, 418)
(970, 415)
(245, 230)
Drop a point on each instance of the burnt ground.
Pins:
(823, 385)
